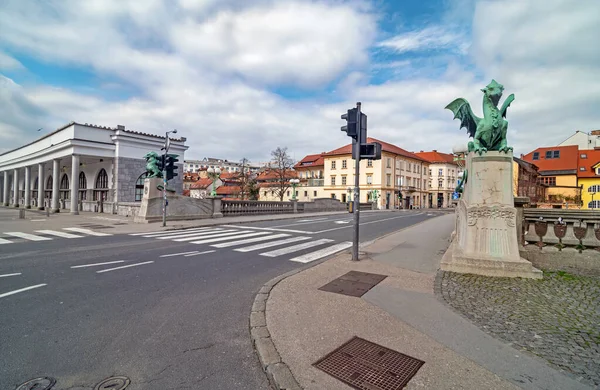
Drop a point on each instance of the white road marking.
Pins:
(217, 239)
(169, 231)
(213, 235)
(7, 275)
(21, 290)
(200, 253)
(366, 223)
(200, 233)
(58, 234)
(4, 241)
(296, 248)
(250, 240)
(38, 220)
(178, 254)
(271, 244)
(27, 236)
(312, 220)
(341, 222)
(125, 266)
(307, 258)
(175, 233)
(97, 264)
(87, 231)
(269, 229)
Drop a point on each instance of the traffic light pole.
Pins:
(164, 210)
(356, 205)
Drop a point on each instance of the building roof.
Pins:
(386, 147)
(437, 157)
(186, 193)
(273, 174)
(592, 157)
(229, 190)
(312, 160)
(529, 167)
(567, 163)
(201, 184)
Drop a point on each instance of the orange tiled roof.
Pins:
(592, 157)
(228, 190)
(273, 174)
(385, 146)
(312, 160)
(568, 160)
(186, 193)
(437, 157)
(201, 184)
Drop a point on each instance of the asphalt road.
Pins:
(167, 314)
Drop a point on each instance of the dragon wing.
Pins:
(506, 103)
(462, 110)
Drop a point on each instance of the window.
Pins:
(305, 193)
(440, 183)
(101, 187)
(265, 193)
(430, 173)
(344, 164)
(388, 180)
(332, 196)
(369, 163)
(583, 155)
(594, 204)
(536, 155)
(64, 187)
(333, 165)
(408, 167)
(314, 193)
(288, 193)
(549, 181)
(441, 172)
(582, 168)
(332, 180)
(343, 180)
(82, 181)
(556, 154)
(389, 162)
(424, 184)
(48, 191)
(139, 187)
(549, 154)
(369, 179)
(593, 189)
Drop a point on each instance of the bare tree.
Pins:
(282, 165)
(243, 178)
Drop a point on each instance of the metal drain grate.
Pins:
(364, 365)
(353, 283)
(44, 383)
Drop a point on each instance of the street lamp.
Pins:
(294, 183)
(214, 174)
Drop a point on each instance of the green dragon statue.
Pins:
(152, 165)
(489, 132)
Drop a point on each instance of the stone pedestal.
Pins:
(486, 227)
(295, 205)
(216, 206)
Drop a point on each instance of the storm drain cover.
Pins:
(353, 283)
(44, 383)
(113, 383)
(364, 365)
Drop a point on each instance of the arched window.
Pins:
(594, 204)
(82, 186)
(101, 188)
(34, 192)
(48, 191)
(139, 187)
(594, 188)
(64, 187)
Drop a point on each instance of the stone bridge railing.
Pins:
(254, 207)
(576, 228)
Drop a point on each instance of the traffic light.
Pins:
(170, 167)
(160, 163)
(351, 127)
(372, 151)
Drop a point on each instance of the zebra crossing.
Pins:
(273, 244)
(48, 235)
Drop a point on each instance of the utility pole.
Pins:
(164, 173)
(356, 209)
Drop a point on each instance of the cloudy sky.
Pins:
(239, 77)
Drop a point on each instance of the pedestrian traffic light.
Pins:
(170, 167)
(351, 127)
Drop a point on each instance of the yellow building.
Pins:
(310, 172)
(588, 176)
(400, 177)
(444, 173)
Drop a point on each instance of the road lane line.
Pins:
(213, 235)
(217, 239)
(271, 244)
(269, 229)
(22, 290)
(5, 241)
(170, 231)
(175, 233)
(125, 266)
(97, 264)
(27, 236)
(200, 253)
(296, 248)
(178, 254)
(38, 220)
(307, 258)
(58, 234)
(198, 234)
(250, 240)
(366, 223)
(7, 275)
(87, 231)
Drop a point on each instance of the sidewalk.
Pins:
(400, 313)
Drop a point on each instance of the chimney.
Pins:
(421, 151)
(120, 127)
(435, 150)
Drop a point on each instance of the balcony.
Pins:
(408, 188)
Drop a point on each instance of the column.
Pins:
(41, 183)
(5, 199)
(55, 184)
(27, 187)
(74, 184)
(16, 188)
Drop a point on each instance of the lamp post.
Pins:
(164, 173)
(294, 183)
(214, 174)
(349, 190)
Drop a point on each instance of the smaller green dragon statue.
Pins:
(152, 168)
(489, 132)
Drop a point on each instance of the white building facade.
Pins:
(585, 141)
(83, 167)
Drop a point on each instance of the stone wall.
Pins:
(129, 209)
(128, 170)
(321, 204)
(569, 260)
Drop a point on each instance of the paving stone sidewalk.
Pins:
(556, 318)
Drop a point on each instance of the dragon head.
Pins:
(494, 91)
(150, 155)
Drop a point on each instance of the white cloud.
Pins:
(9, 63)
(430, 38)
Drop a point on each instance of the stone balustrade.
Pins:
(253, 207)
(579, 228)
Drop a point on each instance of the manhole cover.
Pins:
(44, 383)
(353, 283)
(364, 365)
(113, 383)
